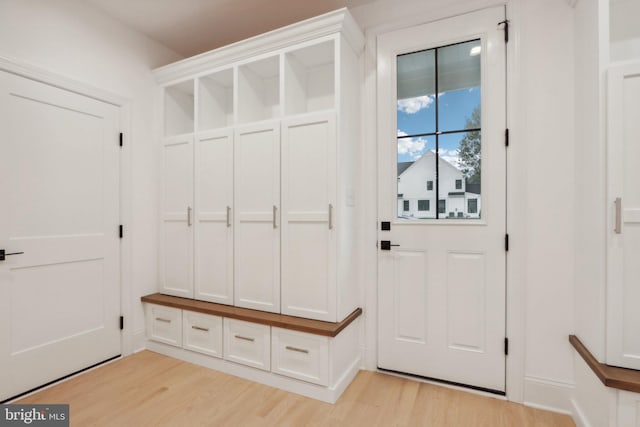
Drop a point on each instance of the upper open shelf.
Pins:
(310, 78)
(179, 108)
(259, 90)
(215, 98)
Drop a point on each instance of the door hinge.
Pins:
(506, 242)
(506, 29)
(121, 139)
(506, 346)
(506, 137)
(121, 231)
(121, 322)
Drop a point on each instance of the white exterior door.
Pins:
(257, 217)
(176, 244)
(442, 176)
(623, 226)
(60, 298)
(213, 217)
(308, 219)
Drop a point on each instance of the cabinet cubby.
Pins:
(215, 100)
(259, 90)
(310, 78)
(179, 108)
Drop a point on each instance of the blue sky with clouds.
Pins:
(417, 116)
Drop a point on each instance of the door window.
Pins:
(439, 129)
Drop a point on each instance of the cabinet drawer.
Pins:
(247, 343)
(202, 333)
(299, 355)
(164, 324)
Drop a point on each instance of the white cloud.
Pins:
(451, 156)
(414, 147)
(413, 105)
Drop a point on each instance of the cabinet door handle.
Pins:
(330, 216)
(275, 213)
(161, 319)
(199, 328)
(189, 212)
(228, 216)
(299, 350)
(618, 227)
(240, 337)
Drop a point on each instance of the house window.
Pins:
(472, 205)
(405, 205)
(438, 107)
(423, 205)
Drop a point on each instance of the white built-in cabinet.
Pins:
(623, 230)
(259, 167)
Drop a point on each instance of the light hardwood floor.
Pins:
(148, 389)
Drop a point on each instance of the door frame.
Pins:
(23, 69)
(516, 208)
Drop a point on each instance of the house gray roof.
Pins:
(402, 166)
(473, 188)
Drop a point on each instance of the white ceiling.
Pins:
(190, 27)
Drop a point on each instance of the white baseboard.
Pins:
(139, 341)
(325, 394)
(578, 415)
(550, 395)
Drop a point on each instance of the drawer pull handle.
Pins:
(330, 216)
(160, 319)
(199, 328)
(299, 350)
(228, 216)
(189, 212)
(275, 213)
(240, 337)
(618, 204)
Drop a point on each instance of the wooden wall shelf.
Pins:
(317, 327)
(611, 376)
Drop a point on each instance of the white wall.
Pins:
(70, 38)
(591, 57)
(545, 110)
(625, 31)
(541, 187)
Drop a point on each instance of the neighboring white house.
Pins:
(417, 190)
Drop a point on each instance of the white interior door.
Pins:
(308, 220)
(442, 175)
(257, 217)
(623, 230)
(214, 217)
(59, 205)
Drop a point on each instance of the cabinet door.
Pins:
(257, 217)
(623, 234)
(176, 245)
(309, 217)
(213, 217)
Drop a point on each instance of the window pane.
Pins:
(416, 93)
(460, 172)
(459, 86)
(412, 176)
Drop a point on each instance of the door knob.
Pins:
(385, 245)
(3, 254)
